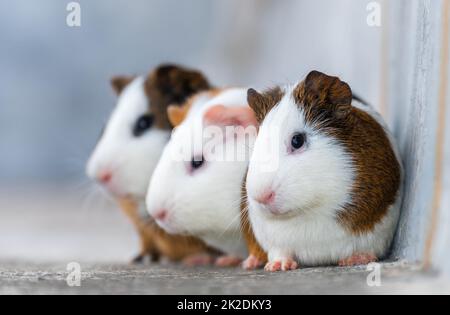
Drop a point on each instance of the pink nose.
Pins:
(160, 215)
(266, 198)
(105, 177)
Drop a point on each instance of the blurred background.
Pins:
(55, 94)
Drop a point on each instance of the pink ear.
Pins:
(220, 115)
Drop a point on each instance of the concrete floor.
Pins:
(42, 231)
(121, 279)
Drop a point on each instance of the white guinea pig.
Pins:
(324, 182)
(138, 130)
(196, 187)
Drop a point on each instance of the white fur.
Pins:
(205, 203)
(318, 180)
(130, 159)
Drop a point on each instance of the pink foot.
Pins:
(198, 260)
(358, 260)
(252, 263)
(228, 261)
(281, 265)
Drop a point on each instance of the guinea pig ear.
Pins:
(256, 101)
(328, 90)
(176, 83)
(177, 114)
(220, 115)
(261, 104)
(119, 83)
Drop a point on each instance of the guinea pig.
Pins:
(324, 183)
(196, 187)
(132, 143)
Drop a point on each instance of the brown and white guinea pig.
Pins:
(196, 187)
(132, 143)
(324, 182)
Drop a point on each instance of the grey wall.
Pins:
(415, 45)
(441, 248)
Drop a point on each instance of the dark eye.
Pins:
(298, 141)
(197, 162)
(143, 124)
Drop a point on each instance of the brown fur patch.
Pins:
(263, 103)
(177, 114)
(176, 247)
(323, 98)
(171, 85)
(119, 83)
(254, 249)
(326, 103)
(156, 242)
(377, 169)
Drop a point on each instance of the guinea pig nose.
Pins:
(266, 198)
(160, 215)
(104, 177)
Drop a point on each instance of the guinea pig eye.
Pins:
(143, 124)
(197, 163)
(298, 141)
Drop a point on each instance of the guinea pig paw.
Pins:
(282, 265)
(198, 260)
(138, 260)
(228, 261)
(358, 260)
(252, 263)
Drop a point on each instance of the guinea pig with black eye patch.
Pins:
(131, 145)
(324, 185)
